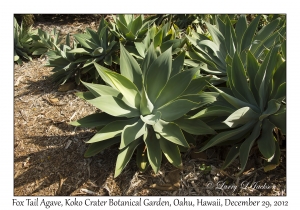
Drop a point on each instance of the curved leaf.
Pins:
(126, 87)
(175, 87)
(102, 72)
(234, 101)
(266, 141)
(151, 119)
(171, 132)
(279, 119)
(196, 85)
(279, 78)
(239, 79)
(270, 165)
(247, 145)
(132, 132)
(85, 95)
(124, 156)
(146, 107)
(240, 28)
(171, 151)
(153, 150)
(213, 111)
(227, 135)
(194, 126)
(158, 74)
(273, 107)
(130, 68)
(241, 116)
(114, 106)
(149, 59)
(102, 90)
(231, 156)
(252, 68)
(111, 130)
(202, 99)
(97, 147)
(94, 120)
(176, 109)
(177, 64)
(249, 33)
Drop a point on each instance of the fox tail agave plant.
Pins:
(259, 102)
(144, 108)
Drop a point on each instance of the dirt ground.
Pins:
(48, 153)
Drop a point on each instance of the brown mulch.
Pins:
(48, 152)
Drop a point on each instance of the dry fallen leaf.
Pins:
(67, 86)
(53, 100)
(196, 155)
(172, 179)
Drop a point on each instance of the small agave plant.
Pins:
(130, 29)
(259, 103)
(22, 42)
(96, 47)
(43, 42)
(144, 109)
(66, 65)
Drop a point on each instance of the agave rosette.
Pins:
(144, 108)
(226, 40)
(96, 47)
(130, 29)
(260, 107)
(22, 42)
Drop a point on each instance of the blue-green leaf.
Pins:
(146, 106)
(228, 135)
(97, 147)
(266, 141)
(239, 80)
(177, 64)
(132, 132)
(175, 87)
(241, 117)
(102, 90)
(130, 68)
(125, 155)
(94, 120)
(273, 107)
(111, 130)
(176, 109)
(171, 132)
(240, 29)
(158, 74)
(249, 34)
(171, 151)
(153, 150)
(149, 59)
(126, 87)
(231, 156)
(247, 145)
(114, 106)
(194, 126)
